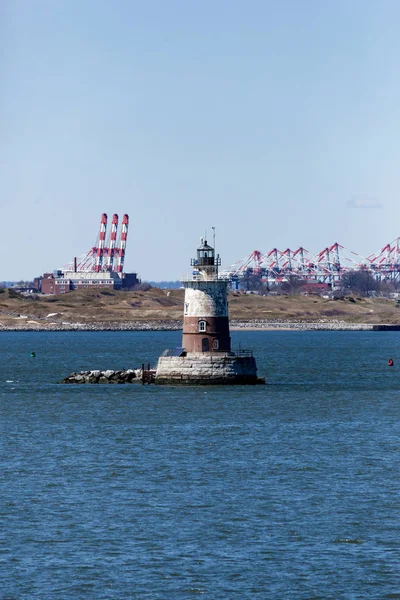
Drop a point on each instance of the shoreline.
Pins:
(301, 326)
(107, 326)
(169, 325)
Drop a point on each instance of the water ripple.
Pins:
(283, 491)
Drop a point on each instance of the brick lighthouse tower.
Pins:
(205, 356)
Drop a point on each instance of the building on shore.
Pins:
(61, 282)
(206, 356)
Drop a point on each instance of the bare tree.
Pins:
(292, 285)
(359, 282)
(252, 282)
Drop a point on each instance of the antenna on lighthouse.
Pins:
(215, 254)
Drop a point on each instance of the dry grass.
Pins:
(94, 306)
(313, 308)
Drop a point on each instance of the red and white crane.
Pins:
(328, 265)
(122, 244)
(112, 243)
(107, 255)
(101, 243)
(386, 263)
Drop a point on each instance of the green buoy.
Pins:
(33, 354)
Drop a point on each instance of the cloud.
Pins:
(363, 201)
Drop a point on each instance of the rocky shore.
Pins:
(322, 325)
(101, 326)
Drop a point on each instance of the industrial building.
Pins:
(102, 267)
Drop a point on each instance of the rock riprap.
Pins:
(109, 376)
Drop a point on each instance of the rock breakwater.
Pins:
(109, 376)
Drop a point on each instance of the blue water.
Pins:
(284, 491)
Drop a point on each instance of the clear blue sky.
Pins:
(275, 122)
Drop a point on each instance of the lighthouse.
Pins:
(206, 356)
(205, 315)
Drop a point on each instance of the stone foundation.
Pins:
(198, 368)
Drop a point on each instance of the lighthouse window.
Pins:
(202, 325)
(186, 308)
(215, 344)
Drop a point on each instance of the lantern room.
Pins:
(205, 256)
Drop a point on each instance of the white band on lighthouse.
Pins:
(206, 299)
